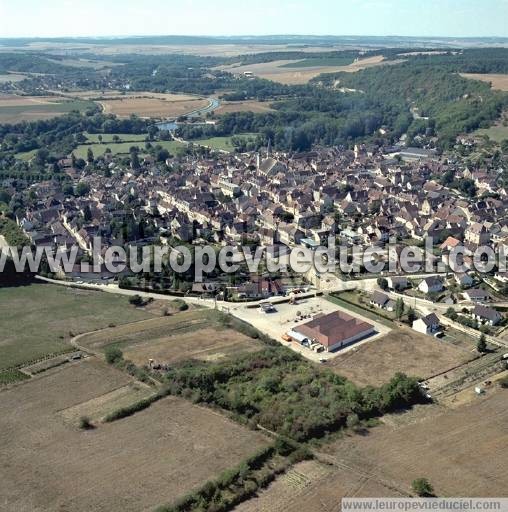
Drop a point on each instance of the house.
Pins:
(427, 325)
(432, 284)
(477, 295)
(335, 330)
(486, 315)
(397, 283)
(463, 279)
(379, 299)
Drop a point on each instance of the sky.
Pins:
(55, 18)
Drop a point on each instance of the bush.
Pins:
(422, 487)
(113, 354)
(85, 423)
(136, 300)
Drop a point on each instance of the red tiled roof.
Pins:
(333, 328)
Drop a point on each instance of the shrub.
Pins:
(85, 423)
(422, 487)
(113, 354)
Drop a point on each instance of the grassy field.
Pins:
(14, 109)
(243, 106)
(26, 156)
(402, 350)
(496, 133)
(38, 320)
(123, 148)
(133, 464)
(222, 143)
(108, 137)
(197, 334)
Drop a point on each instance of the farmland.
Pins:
(38, 320)
(293, 72)
(499, 82)
(14, 109)
(312, 486)
(227, 107)
(195, 334)
(134, 464)
(402, 350)
(152, 105)
(461, 451)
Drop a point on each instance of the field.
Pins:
(243, 106)
(123, 148)
(11, 77)
(194, 334)
(461, 451)
(278, 70)
(14, 109)
(38, 320)
(312, 486)
(137, 463)
(222, 143)
(320, 62)
(168, 105)
(496, 133)
(108, 137)
(498, 81)
(402, 350)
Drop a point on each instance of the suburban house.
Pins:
(427, 325)
(381, 300)
(397, 283)
(486, 315)
(463, 279)
(477, 295)
(335, 330)
(432, 284)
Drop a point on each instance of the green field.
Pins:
(26, 156)
(222, 143)
(122, 148)
(39, 319)
(495, 133)
(320, 62)
(16, 114)
(108, 137)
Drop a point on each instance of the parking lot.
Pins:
(284, 318)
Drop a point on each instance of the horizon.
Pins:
(197, 18)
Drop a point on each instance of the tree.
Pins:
(451, 314)
(113, 354)
(382, 283)
(482, 344)
(89, 156)
(99, 138)
(82, 189)
(399, 308)
(422, 487)
(411, 315)
(87, 213)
